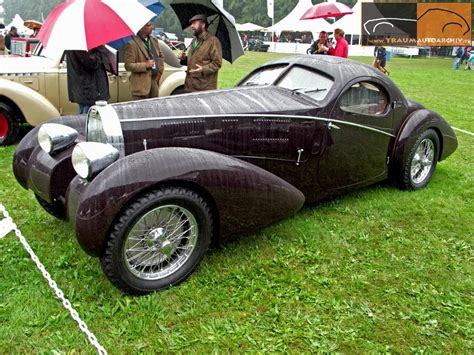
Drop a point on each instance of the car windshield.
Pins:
(39, 52)
(308, 82)
(265, 76)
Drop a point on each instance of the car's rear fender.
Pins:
(247, 197)
(30, 142)
(416, 123)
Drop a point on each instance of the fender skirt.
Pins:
(245, 196)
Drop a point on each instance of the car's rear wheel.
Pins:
(53, 209)
(420, 165)
(9, 125)
(157, 241)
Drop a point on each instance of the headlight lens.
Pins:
(90, 158)
(53, 137)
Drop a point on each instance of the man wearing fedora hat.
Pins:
(204, 57)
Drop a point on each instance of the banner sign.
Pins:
(270, 8)
(416, 24)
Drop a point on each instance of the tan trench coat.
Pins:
(135, 60)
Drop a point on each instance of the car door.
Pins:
(357, 137)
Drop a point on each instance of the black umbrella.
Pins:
(221, 24)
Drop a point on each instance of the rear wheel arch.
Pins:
(13, 106)
(11, 119)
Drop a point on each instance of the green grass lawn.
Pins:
(376, 270)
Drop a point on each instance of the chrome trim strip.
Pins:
(250, 115)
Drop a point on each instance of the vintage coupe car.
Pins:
(34, 89)
(147, 185)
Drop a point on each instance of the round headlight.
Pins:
(53, 137)
(44, 140)
(90, 158)
(80, 162)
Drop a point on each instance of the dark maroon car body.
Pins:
(255, 153)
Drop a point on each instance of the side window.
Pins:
(364, 98)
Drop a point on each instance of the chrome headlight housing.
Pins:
(103, 126)
(53, 137)
(90, 158)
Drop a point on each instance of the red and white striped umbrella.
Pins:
(86, 24)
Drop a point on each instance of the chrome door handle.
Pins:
(300, 151)
(332, 125)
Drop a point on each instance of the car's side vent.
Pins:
(271, 134)
(176, 129)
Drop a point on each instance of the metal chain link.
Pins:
(59, 294)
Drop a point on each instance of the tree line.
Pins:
(254, 11)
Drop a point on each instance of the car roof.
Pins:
(341, 69)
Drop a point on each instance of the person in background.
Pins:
(2, 39)
(381, 60)
(8, 38)
(467, 54)
(245, 42)
(342, 47)
(320, 46)
(87, 79)
(204, 57)
(458, 57)
(470, 59)
(145, 60)
(374, 64)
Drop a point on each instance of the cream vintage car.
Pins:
(34, 89)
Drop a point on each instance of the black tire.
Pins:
(407, 180)
(179, 91)
(54, 210)
(116, 259)
(308, 51)
(9, 125)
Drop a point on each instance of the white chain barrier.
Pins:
(6, 226)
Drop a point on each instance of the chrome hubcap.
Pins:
(160, 242)
(422, 161)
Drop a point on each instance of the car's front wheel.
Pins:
(157, 241)
(420, 165)
(9, 125)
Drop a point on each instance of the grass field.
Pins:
(375, 270)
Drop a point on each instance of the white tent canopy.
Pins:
(292, 22)
(248, 27)
(351, 24)
(19, 24)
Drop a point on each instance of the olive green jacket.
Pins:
(207, 53)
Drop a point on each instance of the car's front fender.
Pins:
(245, 196)
(30, 142)
(34, 106)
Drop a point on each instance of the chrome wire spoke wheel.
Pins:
(422, 161)
(160, 242)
